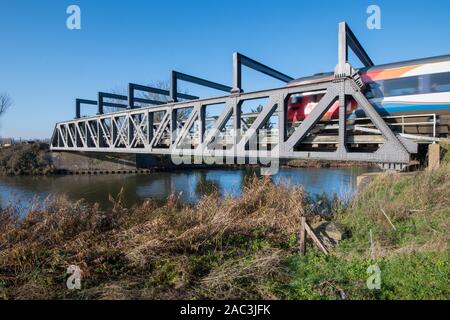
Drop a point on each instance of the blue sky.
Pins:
(44, 66)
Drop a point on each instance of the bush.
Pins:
(26, 159)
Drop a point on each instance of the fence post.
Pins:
(302, 236)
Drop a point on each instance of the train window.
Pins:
(374, 90)
(440, 82)
(401, 86)
(296, 98)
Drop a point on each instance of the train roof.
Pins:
(380, 67)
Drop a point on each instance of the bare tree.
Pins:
(182, 114)
(5, 102)
(258, 109)
(164, 85)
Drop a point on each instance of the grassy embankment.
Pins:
(235, 248)
(26, 159)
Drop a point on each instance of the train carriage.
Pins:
(406, 93)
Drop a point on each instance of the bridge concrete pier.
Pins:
(93, 163)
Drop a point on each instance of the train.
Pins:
(409, 90)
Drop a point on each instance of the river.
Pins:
(22, 191)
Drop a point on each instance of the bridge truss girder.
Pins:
(135, 131)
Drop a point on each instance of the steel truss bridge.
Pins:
(158, 129)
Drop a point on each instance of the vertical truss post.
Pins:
(202, 124)
(342, 120)
(346, 39)
(130, 106)
(101, 141)
(94, 138)
(114, 132)
(282, 121)
(86, 133)
(173, 125)
(239, 60)
(130, 96)
(79, 102)
(173, 86)
(344, 70)
(100, 103)
(77, 108)
(237, 122)
(102, 135)
(175, 76)
(237, 73)
(89, 137)
(342, 46)
(131, 128)
(150, 120)
(78, 138)
(236, 132)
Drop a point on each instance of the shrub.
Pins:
(26, 159)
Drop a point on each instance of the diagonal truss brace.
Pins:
(394, 148)
(259, 121)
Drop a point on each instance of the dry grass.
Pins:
(219, 248)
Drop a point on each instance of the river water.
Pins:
(192, 184)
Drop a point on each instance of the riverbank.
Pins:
(242, 248)
(37, 159)
(327, 164)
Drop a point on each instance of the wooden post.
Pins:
(433, 156)
(316, 240)
(302, 239)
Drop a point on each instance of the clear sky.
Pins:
(44, 66)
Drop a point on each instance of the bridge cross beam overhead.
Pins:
(186, 129)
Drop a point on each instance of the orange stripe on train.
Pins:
(387, 74)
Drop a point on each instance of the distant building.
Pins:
(6, 142)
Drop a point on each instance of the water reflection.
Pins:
(190, 184)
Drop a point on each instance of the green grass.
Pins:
(411, 276)
(418, 206)
(445, 146)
